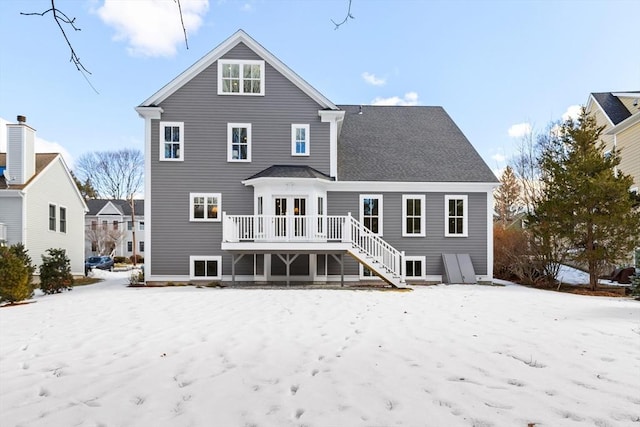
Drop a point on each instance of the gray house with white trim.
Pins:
(252, 175)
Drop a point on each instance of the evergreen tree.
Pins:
(86, 190)
(14, 277)
(22, 253)
(55, 272)
(507, 196)
(586, 203)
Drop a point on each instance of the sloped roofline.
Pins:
(626, 123)
(593, 99)
(238, 37)
(38, 176)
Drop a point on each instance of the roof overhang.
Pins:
(238, 37)
(625, 124)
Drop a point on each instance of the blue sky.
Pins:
(499, 68)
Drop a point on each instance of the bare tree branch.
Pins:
(61, 18)
(184, 29)
(346, 18)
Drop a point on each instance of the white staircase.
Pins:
(377, 255)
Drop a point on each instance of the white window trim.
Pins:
(307, 144)
(230, 127)
(380, 210)
(465, 213)
(66, 219)
(180, 125)
(423, 227)
(55, 217)
(192, 272)
(241, 62)
(423, 260)
(192, 218)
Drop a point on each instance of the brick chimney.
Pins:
(21, 155)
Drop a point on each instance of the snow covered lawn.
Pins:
(109, 355)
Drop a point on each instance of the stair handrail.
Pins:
(371, 244)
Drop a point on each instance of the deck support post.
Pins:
(233, 267)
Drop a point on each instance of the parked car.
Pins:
(101, 262)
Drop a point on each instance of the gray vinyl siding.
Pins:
(435, 243)
(205, 168)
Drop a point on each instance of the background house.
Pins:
(112, 227)
(619, 112)
(40, 205)
(253, 175)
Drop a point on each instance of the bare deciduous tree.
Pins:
(346, 18)
(106, 239)
(113, 174)
(62, 19)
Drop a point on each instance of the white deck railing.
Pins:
(280, 228)
(313, 228)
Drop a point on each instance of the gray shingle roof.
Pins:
(406, 144)
(95, 205)
(612, 106)
(290, 171)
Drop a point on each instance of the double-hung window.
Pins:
(171, 141)
(63, 220)
(300, 140)
(371, 212)
(239, 142)
(52, 217)
(205, 267)
(205, 206)
(129, 246)
(456, 215)
(413, 214)
(240, 77)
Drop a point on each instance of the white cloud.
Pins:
(410, 98)
(519, 130)
(152, 27)
(247, 7)
(44, 146)
(573, 112)
(499, 157)
(40, 145)
(373, 80)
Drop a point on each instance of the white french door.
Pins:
(290, 218)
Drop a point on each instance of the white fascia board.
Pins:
(238, 37)
(267, 181)
(112, 206)
(408, 187)
(626, 123)
(10, 193)
(44, 172)
(626, 94)
(150, 112)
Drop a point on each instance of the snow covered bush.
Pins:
(55, 272)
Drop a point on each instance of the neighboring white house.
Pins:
(112, 227)
(40, 204)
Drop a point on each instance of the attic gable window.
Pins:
(240, 77)
(171, 141)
